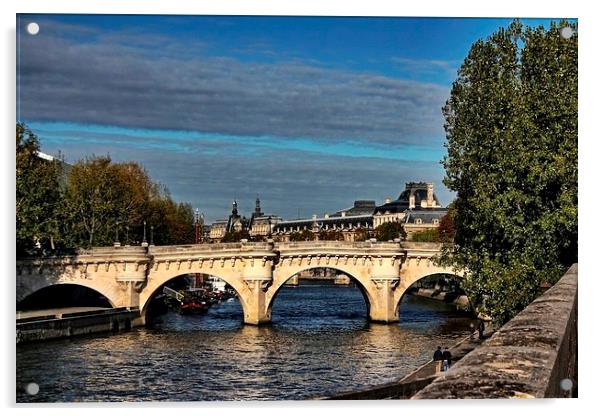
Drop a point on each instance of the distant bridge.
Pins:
(131, 276)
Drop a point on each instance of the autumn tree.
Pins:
(105, 200)
(38, 195)
(171, 222)
(511, 128)
(102, 197)
(446, 229)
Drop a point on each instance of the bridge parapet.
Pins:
(291, 245)
(416, 245)
(112, 251)
(211, 248)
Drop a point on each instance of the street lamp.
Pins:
(144, 243)
(151, 237)
(116, 243)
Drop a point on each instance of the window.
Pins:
(418, 221)
(436, 221)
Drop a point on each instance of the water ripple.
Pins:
(319, 342)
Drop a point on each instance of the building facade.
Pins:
(259, 225)
(417, 208)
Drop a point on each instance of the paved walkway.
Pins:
(56, 311)
(411, 384)
(458, 352)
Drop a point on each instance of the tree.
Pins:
(361, 234)
(103, 198)
(511, 128)
(173, 223)
(38, 194)
(390, 231)
(304, 235)
(88, 206)
(331, 235)
(235, 236)
(100, 197)
(426, 236)
(446, 230)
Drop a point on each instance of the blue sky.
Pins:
(310, 113)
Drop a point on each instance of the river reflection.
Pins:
(319, 342)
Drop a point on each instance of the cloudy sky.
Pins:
(310, 113)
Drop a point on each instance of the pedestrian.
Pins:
(481, 329)
(437, 358)
(447, 357)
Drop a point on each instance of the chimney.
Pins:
(412, 201)
(343, 214)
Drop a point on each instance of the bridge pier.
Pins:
(254, 305)
(384, 278)
(258, 276)
(383, 307)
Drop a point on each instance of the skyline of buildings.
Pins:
(417, 208)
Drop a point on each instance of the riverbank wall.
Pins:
(68, 325)
(534, 355)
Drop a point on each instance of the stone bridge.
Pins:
(131, 276)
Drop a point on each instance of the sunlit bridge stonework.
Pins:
(131, 276)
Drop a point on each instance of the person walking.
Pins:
(438, 358)
(481, 329)
(447, 357)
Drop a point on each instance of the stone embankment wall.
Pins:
(79, 323)
(532, 356)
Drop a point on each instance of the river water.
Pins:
(319, 343)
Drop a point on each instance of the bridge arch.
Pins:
(157, 280)
(26, 294)
(408, 281)
(281, 278)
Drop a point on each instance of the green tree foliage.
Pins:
(511, 127)
(426, 236)
(235, 236)
(175, 225)
(390, 231)
(331, 235)
(88, 204)
(304, 235)
(444, 233)
(362, 234)
(38, 194)
(102, 197)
